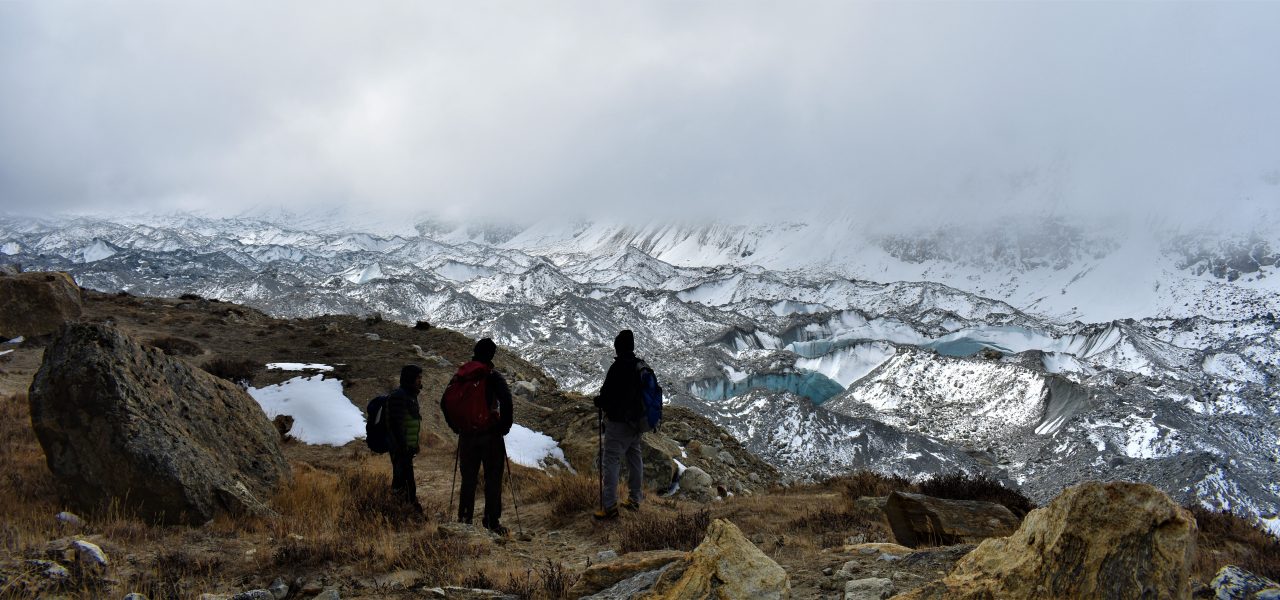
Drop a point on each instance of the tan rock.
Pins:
(1115, 540)
(602, 575)
(878, 548)
(726, 566)
(33, 304)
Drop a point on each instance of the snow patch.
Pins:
(10, 248)
(370, 273)
(99, 250)
(533, 449)
(321, 413)
(299, 367)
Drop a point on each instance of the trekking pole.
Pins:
(600, 453)
(514, 501)
(456, 450)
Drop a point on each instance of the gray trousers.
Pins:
(620, 439)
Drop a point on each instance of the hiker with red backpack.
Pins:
(477, 406)
(404, 421)
(630, 404)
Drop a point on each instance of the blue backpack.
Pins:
(377, 434)
(648, 409)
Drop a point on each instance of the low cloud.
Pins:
(883, 110)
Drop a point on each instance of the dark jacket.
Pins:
(617, 396)
(404, 420)
(497, 395)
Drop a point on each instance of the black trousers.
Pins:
(402, 482)
(490, 450)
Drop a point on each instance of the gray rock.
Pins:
(630, 587)
(1234, 583)
(606, 556)
(51, 569)
(328, 594)
(373, 337)
(135, 596)
(695, 482)
(874, 588)
(254, 595)
(89, 557)
(279, 589)
(461, 593)
(828, 571)
(125, 423)
(69, 519)
(678, 431)
(727, 458)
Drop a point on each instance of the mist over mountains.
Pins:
(1044, 352)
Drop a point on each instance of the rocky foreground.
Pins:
(132, 471)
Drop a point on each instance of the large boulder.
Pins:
(725, 565)
(917, 520)
(122, 422)
(34, 304)
(1234, 583)
(1113, 540)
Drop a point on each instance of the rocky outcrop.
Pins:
(35, 304)
(725, 565)
(122, 422)
(918, 520)
(599, 576)
(1113, 540)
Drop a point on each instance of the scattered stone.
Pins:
(461, 593)
(402, 579)
(69, 519)
(215, 597)
(37, 303)
(1114, 540)
(422, 326)
(828, 571)
(135, 596)
(328, 594)
(524, 389)
(605, 574)
(919, 520)
(874, 588)
(279, 589)
(1234, 583)
(678, 431)
(724, 565)
(310, 588)
(254, 595)
(727, 458)
(659, 454)
(373, 337)
(120, 422)
(51, 569)
(90, 558)
(606, 556)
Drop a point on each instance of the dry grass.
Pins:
(649, 530)
(176, 346)
(867, 483)
(1226, 539)
(239, 372)
(571, 495)
(27, 490)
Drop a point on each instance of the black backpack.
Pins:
(377, 434)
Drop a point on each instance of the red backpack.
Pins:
(465, 404)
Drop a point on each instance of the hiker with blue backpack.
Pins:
(477, 406)
(630, 403)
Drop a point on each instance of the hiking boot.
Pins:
(630, 505)
(499, 531)
(606, 514)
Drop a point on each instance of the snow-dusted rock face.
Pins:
(1046, 355)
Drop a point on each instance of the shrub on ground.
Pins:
(239, 372)
(1224, 539)
(960, 486)
(868, 483)
(176, 346)
(653, 531)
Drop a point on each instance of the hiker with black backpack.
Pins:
(404, 421)
(477, 406)
(630, 404)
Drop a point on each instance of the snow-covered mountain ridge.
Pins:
(927, 352)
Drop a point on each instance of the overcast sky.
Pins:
(677, 107)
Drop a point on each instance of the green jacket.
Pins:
(404, 420)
